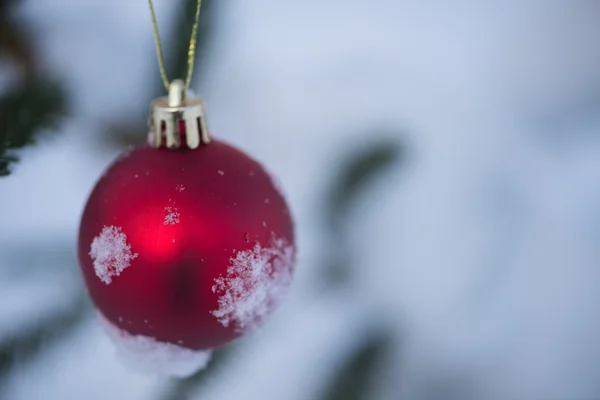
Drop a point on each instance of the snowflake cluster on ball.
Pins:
(183, 252)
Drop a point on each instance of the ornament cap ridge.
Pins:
(170, 113)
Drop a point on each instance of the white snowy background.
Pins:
(482, 252)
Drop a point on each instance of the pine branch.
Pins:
(180, 38)
(355, 177)
(184, 389)
(355, 378)
(29, 108)
(360, 171)
(14, 40)
(24, 112)
(27, 347)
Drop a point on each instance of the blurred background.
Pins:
(442, 161)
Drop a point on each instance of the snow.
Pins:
(147, 355)
(81, 366)
(171, 215)
(111, 253)
(256, 280)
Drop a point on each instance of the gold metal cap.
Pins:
(174, 117)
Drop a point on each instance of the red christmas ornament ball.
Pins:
(192, 248)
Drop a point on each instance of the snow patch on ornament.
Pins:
(171, 216)
(110, 253)
(255, 282)
(146, 354)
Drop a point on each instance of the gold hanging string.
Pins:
(191, 50)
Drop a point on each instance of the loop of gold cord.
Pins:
(191, 50)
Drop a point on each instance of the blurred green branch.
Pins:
(24, 113)
(30, 107)
(359, 172)
(14, 42)
(184, 389)
(355, 176)
(354, 380)
(27, 346)
(177, 57)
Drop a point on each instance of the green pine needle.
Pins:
(25, 112)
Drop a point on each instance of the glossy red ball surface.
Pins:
(189, 247)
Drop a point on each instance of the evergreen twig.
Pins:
(27, 346)
(25, 112)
